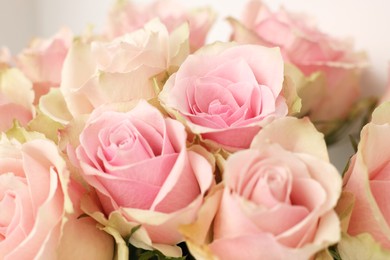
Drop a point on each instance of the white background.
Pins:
(365, 21)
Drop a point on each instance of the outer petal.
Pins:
(295, 135)
(362, 246)
(366, 215)
(15, 88)
(75, 75)
(81, 239)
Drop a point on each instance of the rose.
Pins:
(127, 17)
(34, 202)
(276, 200)
(42, 61)
(367, 178)
(138, 163)
(226, 92)
(16, 98)
(121, 70)
(311, 51)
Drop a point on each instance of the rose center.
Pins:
(122, 139)
(217, 108)
(271, 186)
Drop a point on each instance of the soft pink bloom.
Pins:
(16, 98)
(42, 61)
(277, 199)
(34, 188)
(139, 165)
(127, 17)
(120, 70)
(368, 179)
(226, 92)
(311, 51)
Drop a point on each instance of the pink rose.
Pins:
(127, 17)
(16, 98)
(276, 200)
(368, 179)
(226, 92)
(311, 51)
(34, 202)
(120, 70)
(140, 167)
(42, 61)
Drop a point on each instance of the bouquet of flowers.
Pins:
(143, 142)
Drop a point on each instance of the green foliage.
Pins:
(142, 254)
(334, 252)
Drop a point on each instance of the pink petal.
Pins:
(267, 64)
(231, 220)
(379, 190)
(206, 91)
(180, 188)
(256, 246)
(81, 239)
(235, 70)
(234, 138)
(275, 221)
(307, 193)
(153, 171)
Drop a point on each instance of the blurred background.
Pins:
(364, 22)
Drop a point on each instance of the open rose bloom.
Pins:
(276, 199)
(225, 93)
(312, 52)
(97, 72)
(139, 165)
(37, 218)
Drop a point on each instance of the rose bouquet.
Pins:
(143, 141)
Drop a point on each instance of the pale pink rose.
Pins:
(127, 17)
(227, 92)
(140, 167)
(120, 70)
(277, 199)
(42, 60)
(34, 202)
(311, 51)
(368, 179)
(16, 98)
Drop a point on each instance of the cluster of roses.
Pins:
(142, 138)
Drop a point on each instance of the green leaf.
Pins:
(334, 253)
(354, 142)
(142, 254)
(134, 229)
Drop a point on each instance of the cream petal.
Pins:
(301, 137)
(81, 239)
